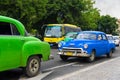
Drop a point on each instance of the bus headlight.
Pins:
(85, 46)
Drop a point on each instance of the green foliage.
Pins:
(34, 13)
(78, 12)
(90, 16)
(27, 11)
(107, 24)
(90, 19)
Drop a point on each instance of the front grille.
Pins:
(72, 50)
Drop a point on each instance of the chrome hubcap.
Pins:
(34, 66)
(110, 53)
(92, 56)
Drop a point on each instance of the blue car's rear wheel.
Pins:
(109, 55)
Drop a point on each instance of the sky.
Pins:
(110, 7)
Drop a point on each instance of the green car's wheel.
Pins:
(92, 57)
(64, 58)
(33, 66)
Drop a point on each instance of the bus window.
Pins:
(68, 29)
(53, 31)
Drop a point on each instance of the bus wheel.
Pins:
(64, 58)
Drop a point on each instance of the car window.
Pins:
(71, 35)
(88, 36)
(110, 37)
(14, 30)
(8, 29)
(104, 37)
(115, 37)
(99, 37)
(5, 28)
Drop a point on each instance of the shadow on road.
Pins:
(84, 61)
(11, 75)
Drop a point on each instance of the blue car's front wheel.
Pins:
(63, 57)
(92, 57)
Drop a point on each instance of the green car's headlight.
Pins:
(85, 46)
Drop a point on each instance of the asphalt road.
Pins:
(55, 68)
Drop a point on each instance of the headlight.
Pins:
(60, 44)
(85, 46)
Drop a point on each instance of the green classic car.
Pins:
(19, 50)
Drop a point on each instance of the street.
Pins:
(59, 40)
(56, 67)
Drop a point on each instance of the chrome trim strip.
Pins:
(70, 48)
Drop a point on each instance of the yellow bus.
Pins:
(54, 33)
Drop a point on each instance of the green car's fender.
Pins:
(31, 48)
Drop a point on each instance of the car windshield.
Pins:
(71, 35)
(89, 36)
(110, 37)
(53, 31)
(115, 37)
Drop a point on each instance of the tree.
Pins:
(27, 11)
(78, 12)
(90, 19)
(34, 13)
(107, 24)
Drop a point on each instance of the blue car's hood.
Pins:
(77, 43)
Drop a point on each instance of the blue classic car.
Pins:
(89, 44)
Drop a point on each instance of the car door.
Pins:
(11, 46)
(105, 43)
(101, 44)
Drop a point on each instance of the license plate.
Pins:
(69, 53)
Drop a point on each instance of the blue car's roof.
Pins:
(94, 32)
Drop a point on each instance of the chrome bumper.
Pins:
(82, 54)
(78, 52)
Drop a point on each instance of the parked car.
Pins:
(110, 38)
(70, 35)
(89, 44)
(18, 49)
(116, 40)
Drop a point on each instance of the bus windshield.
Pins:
(53, 31)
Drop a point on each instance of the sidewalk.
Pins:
(108, 70)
